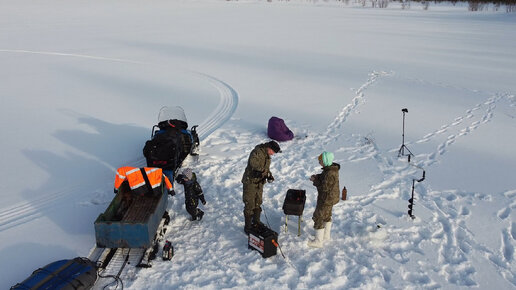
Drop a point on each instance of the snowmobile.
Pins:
(171, 140)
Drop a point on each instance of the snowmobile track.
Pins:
(225, 109)
(26, 211)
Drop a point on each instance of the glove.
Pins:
(203, 202)
(180, 179)
(270, 178)
(172, 192)
(314, 179)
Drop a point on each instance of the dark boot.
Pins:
(256, 219)
(200, 214)
(248, 224)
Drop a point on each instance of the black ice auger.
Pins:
(411, 200)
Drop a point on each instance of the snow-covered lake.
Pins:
(83, 81)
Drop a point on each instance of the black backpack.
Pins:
(164, 149)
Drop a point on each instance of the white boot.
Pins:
(327, 231)
(318, 242)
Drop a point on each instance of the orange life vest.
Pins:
(136, 180)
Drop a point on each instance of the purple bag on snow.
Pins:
(278, 131)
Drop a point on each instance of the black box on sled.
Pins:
(263, 240)
(294, 203)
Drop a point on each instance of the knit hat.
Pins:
(326, 158)
(188, 173)
(274, 146)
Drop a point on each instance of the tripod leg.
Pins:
(286, 226)
(298, 226)
(410, 153)
(401, 152)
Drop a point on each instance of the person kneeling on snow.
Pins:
(193, 192)
(327, 184)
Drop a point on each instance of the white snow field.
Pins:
(82, 83)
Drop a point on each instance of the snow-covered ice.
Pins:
(83, 81)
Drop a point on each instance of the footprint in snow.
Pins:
(504, 213)
(507, 246)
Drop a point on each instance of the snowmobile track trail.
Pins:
(26, 211)
(51, 53)
(225, 109)
(23, 212)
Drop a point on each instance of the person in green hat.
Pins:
(327, 184)
(256, 174)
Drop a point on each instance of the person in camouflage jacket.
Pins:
(327, 184)
(256, 174)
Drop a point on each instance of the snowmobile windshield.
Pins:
(172, 113)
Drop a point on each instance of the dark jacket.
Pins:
(327, 184)
(258, 165)
(193, 190)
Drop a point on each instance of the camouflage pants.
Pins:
(322, 214)
(252, 198)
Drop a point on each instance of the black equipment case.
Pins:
(264, 240)
(294, 203)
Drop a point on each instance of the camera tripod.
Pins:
(403, 147)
